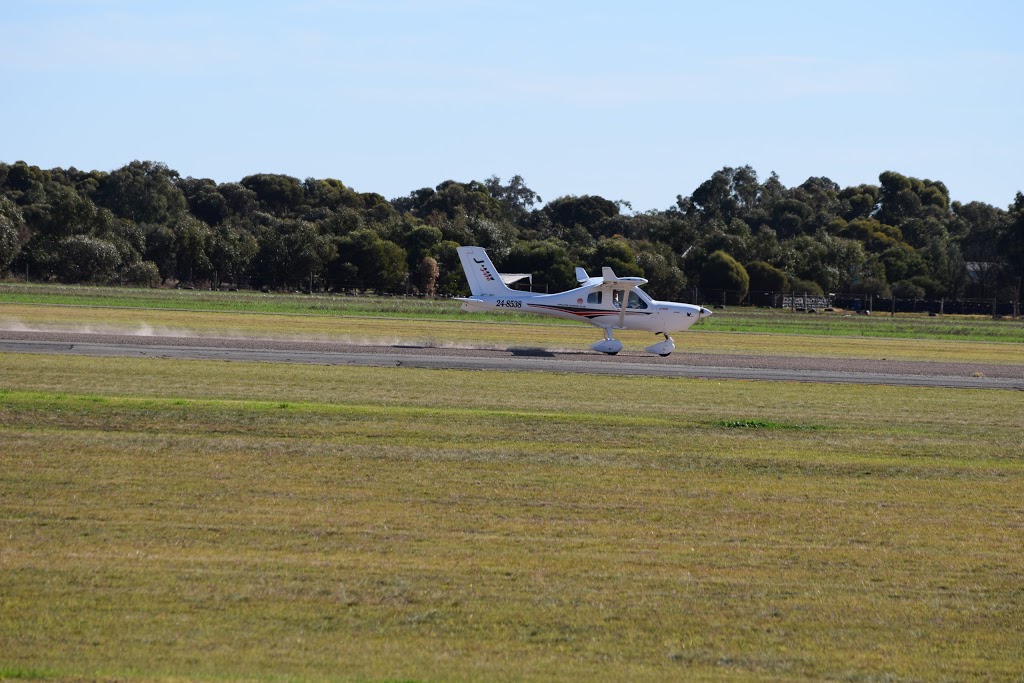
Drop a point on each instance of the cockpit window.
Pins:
(635, 302)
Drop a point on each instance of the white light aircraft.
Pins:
(609, 302)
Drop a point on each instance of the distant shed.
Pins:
(512, 278)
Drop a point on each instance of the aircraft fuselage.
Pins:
(659, 317)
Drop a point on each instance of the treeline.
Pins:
(144, 224)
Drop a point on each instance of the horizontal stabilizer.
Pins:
(471, 305)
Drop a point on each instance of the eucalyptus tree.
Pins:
(12, 223)
(516, 199)
(143, 191)
(278, 194)
(722, 272)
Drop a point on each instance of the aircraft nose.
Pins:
(704, 312)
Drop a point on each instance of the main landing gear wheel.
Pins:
(608, 345)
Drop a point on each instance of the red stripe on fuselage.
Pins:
(585, 312)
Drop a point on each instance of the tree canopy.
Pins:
(144, 223)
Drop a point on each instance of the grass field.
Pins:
(176, 520)
(902, 326)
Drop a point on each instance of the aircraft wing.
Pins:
(609, 277)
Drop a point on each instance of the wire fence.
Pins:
(860, 303)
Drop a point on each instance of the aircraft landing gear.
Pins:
(662, 348)
(609, 344)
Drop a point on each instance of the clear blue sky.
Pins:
(637, 100)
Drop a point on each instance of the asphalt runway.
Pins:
(679, 364)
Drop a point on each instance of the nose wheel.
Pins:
(662, 348)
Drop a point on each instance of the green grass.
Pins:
(16, 673)
(759, 424)
(173, 520)
(735, 319)
(880, 325)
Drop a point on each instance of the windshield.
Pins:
(637, 299)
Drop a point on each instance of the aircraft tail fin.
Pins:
(481, 274)
(581, 275)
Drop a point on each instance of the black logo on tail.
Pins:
(484, 270)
